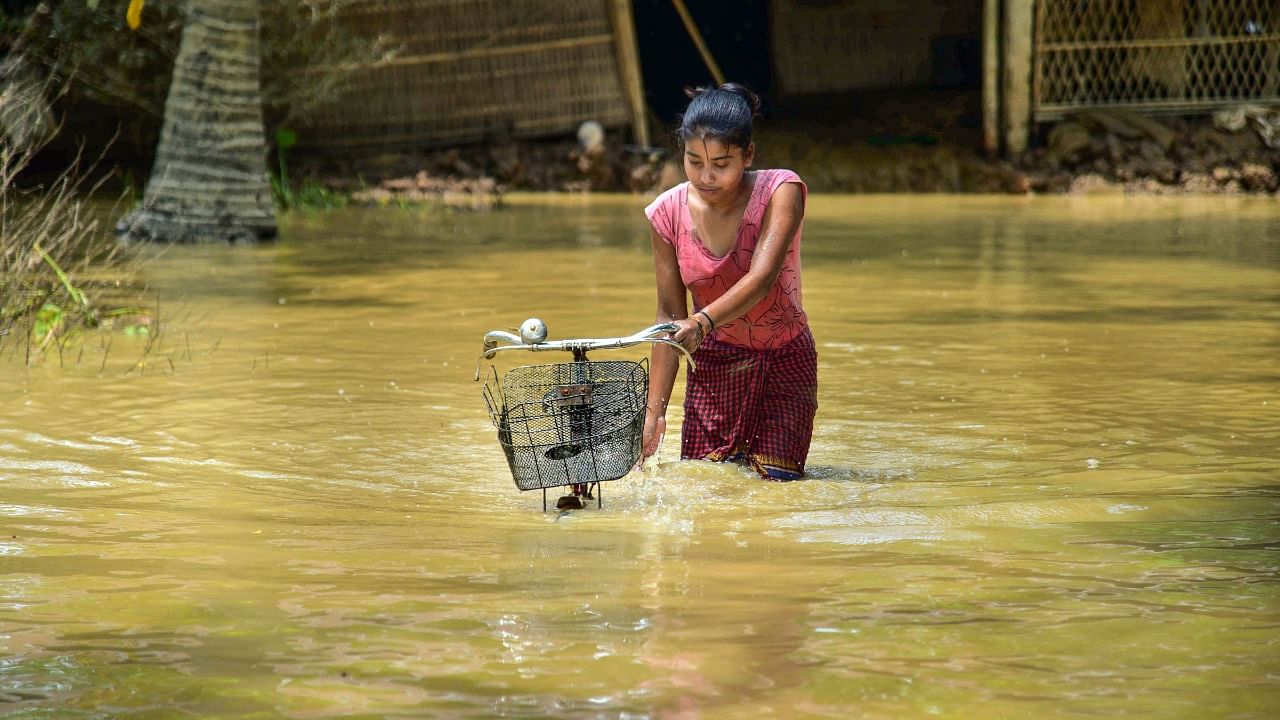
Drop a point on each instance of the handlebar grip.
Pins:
(492, 337)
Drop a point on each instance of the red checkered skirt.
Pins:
(752, 406)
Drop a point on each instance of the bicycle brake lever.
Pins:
(693, 365)
(491, 340)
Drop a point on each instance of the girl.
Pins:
(731, 238)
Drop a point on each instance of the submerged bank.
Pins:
(1099, 151)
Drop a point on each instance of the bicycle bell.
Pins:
(533, 331)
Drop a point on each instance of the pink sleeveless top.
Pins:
(779, 317)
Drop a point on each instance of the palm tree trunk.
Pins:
(209, 181)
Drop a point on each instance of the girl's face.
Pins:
(714, 168)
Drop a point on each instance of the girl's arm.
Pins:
(672, 307)
(778, 227)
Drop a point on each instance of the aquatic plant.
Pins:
(60, 273)
(309, 194)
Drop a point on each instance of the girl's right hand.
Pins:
(655, 427)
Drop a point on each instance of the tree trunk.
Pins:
(26, 121)
(209, 182)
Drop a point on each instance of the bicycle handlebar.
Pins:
(654, 334)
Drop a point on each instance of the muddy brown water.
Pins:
(1045, 481)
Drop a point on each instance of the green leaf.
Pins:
(286, 138)
(72, 290)
(48, 320)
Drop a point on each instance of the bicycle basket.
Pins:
(569, 423)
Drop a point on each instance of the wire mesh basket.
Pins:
(569, 423)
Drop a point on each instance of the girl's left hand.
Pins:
(655, 427)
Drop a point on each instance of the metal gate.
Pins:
(1174, 56)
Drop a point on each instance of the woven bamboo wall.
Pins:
(824, 46)
(472, 69)
(1155, 55)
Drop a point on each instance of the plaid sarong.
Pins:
(752, 406)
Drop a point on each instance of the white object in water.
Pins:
(590, 135)
(533, 331)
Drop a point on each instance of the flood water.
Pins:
(1045, 480)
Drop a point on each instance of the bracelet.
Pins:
(702, 329)
(704, 314)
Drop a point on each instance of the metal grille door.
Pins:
(1173, 56)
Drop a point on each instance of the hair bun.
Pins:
(753, 100)
(693, 92)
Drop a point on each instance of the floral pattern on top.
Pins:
(779, 317)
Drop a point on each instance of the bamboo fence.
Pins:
(470, 70)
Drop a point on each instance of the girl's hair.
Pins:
(721, 113)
